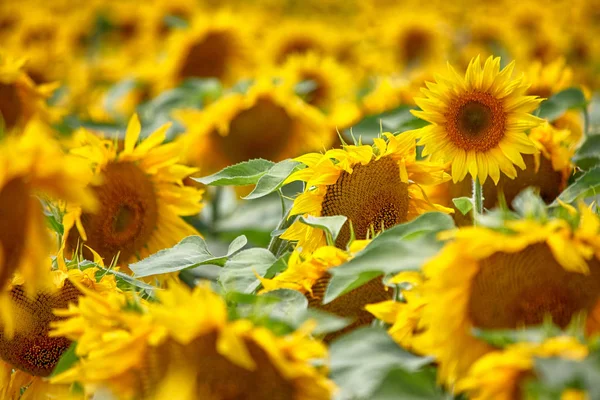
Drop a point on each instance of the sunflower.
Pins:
(375, 187)
(507, 279)
(548, 79)
(502, 374)
(308, 274)
(143, 352)
(33, 164)
(29, 355)
(479, 121)
(214, 46)
(141, 196)
(269, 122)
(20, 98)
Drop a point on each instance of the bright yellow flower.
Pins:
(142, 197)
(487, 279)
(184, 347)
(478, 121)
(376, 187)
(548, 79)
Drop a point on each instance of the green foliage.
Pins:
(418, 385)
(588, 154)
(331, 225)
(463, 204)
(191, 252)
(273, 179)
(239, 272)
(363, 360)
(586, 185)
(241, 174)
(557, 374)
(397, 120)
(558, 104)
(66, 361)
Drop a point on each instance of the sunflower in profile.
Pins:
(28, 355)
(34, 165)
(269, 121)
(308, 274)
(375, 187)
(479, 121)
(143, 352)
(20, 98)
(507, 279)
(141, 195)
(503, 374)
(214, 46)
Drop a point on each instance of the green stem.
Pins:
(215, 207)
(586, 121)
(477, 199)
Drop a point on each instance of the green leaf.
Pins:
(586, 185)
(403, 247)
(66, 361)
(463, 204)
(397, 120)
(529, 204)
(244, 173)
(124, 281)
(361, 361)
(588, 154)
(559, 374)
(562, 101)
(419, 385)
(503, 337)
(238, 274)
(273, 179)
(191, 252)
(331, 225)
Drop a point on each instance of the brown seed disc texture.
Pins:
(217, 377)
(11, 106)
(519, 289)
(209, 57)
(414, 45)
(475, 121)
(350, 305)
(127, 216)
(16, 207)
(372, 197)
(261, 131)
(31, 350)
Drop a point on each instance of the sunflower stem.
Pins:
(586, 121)
(477, 199)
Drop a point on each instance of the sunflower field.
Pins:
(299, 200)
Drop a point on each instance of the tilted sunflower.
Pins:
(29, 355)
(375, 187)
(33, 165)
(184, 347)
(269, 121)
(141, 195)
(487, 279)
(308, 274)
(548, 79)
(20, 98)
(501, 375)
(478, 121)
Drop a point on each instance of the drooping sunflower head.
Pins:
(479, 121)
(487, 279)
(502, 374)
(268, 121)
(141, 194)
(375, 187)
(158, 359)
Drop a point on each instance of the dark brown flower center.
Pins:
(516, 289)
(209, 57)
(128, 213)
(372, 197)
(31, 350)
(15, 211)
(11, 108)
(298, 45)
(414, 46)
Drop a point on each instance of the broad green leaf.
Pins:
(588, 155)
(239, 272)
(362, 359)
(418, 385)
(191, 252)
(529, 204)
(244, 173)
(124, 281)
(562, 101)
(463, 204)
(273, 179)
(423, 224)
(586, 185)
(331, 225)
(66, 361)
(503, 337)
(291, 304)
(559, 374)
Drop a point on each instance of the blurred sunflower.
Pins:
(269, 121)
(478, 121)
(308, 274)
(501, 375)
(298, 37)
(20, 98)
(29, 355)
(375, 187)
(141, 194)
(488, 279)
(33, 164)
(184, 347)
(548, 79)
